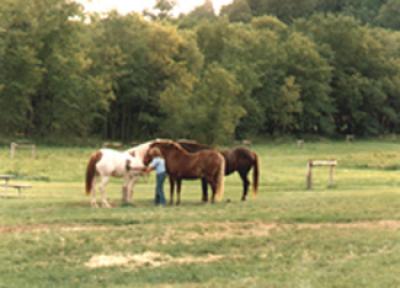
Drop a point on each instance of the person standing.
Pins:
(158, 164)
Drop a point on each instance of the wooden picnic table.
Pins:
(6, 178)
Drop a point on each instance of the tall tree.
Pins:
(202, 13)
(361, 67)
(162, 10)
(146, 59)
(20, 71)
(389, 15)
(238, 11)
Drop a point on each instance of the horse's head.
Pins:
(147, 158)
(153, 152)
(140, 150)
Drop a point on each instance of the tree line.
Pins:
(260, 67)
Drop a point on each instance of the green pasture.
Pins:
(342, 236)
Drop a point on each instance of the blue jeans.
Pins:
(160, 198)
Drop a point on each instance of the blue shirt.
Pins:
(158, 164)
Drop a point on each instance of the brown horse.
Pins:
(238, 159)
(206, 164)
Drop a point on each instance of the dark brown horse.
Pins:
(206, 164)
(238, 159)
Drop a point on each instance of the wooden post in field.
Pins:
(315, 163)
(331, 174)
(14, 146)
(309, 175)
(300, 143)
(33, 151)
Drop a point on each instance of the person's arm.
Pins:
(148, 169)
(152, 166)
(141, 169)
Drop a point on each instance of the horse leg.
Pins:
(93, 201)
(214, 191)
(204, 189)
(125, 192)
(130, 187)
(172, 187)
(213, 184)
(246, 183)
(103, 184)
(178, 190)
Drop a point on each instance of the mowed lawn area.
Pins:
(344, 236)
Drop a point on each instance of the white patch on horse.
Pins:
(114, 164)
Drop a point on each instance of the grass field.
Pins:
(345, 236)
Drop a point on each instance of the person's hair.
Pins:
(155, 152)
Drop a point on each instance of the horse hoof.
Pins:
(106, 205)
(94, 205)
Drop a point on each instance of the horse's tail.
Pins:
(256, 173)
(221, 178)
(91, 170)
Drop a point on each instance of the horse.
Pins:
(206, 164)
(140, 150)
(106, 163)
(238, 159)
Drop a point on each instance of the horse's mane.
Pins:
(193, 143)
(138, 147)
(173, 143)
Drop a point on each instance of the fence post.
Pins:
(33, 151)
(309, 175)
(331, 174)
(13, 146)
(315, 163)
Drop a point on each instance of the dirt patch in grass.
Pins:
(228, 230)
(189, 232)
(146, 259)
(384, 224)
(42, 228)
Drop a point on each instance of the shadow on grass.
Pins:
(117, 204)
(111, 221)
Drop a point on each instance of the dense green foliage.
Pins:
(261, 67)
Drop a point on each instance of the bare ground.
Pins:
(146, 259)
(215, 230)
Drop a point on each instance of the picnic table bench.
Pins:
(6, 178)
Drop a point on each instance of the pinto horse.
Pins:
(238, 159)
(206, 164)
(140, 151)
(106, 163)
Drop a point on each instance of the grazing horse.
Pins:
(238, 159)
(206, 164)
(106, 163)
